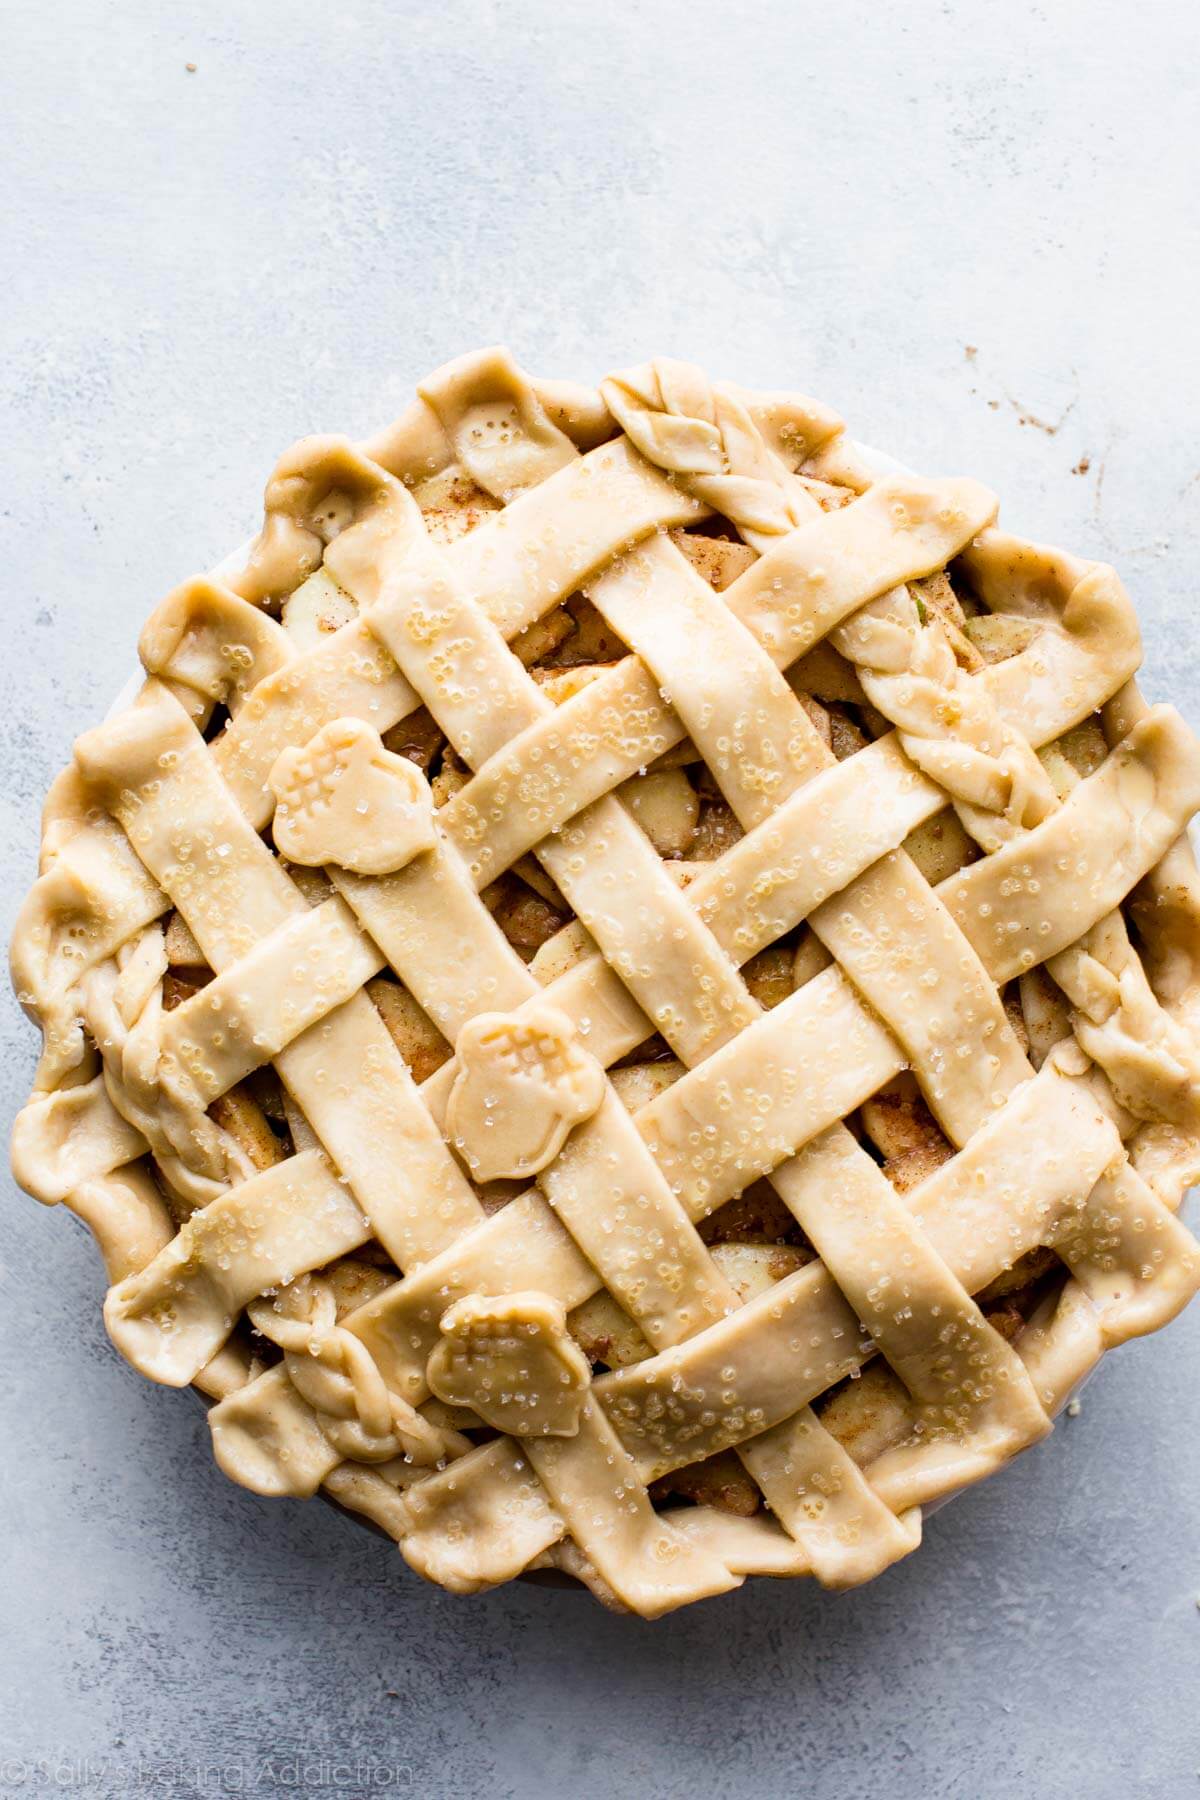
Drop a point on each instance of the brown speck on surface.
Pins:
(1025, 417)
(1099, 489)
(190, 67)
(971, 351)
(1082, 466)
(995, 405)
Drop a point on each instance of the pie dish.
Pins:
(624, 997)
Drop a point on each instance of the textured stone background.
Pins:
(198, 268)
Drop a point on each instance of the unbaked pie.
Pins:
(624, 998)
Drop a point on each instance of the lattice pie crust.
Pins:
(625, 996)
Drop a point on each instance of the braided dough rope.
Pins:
(334, 1372)
(366, 668)
(706, 437)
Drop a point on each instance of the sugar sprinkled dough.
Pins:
(603, 947)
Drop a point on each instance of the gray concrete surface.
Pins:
(201, 266)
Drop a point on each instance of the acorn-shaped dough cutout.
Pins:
(511, 1359)
(343, 799)
(524, 1082)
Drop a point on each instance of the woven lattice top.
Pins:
(625, 996)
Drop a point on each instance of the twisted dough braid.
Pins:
(335, 1372)
(949, 725)
(703, 434)
(947, 721)
(122, 1004)
(951, 728)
